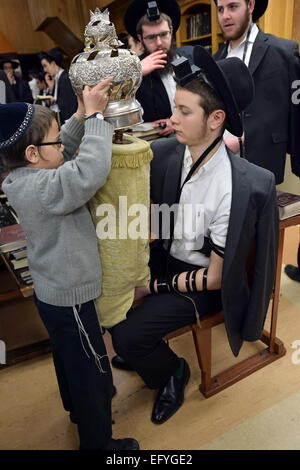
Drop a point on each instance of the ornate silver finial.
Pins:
(102, 58)
(100, 32)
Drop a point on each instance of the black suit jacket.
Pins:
(66, 98)
(272, 121)
(19, 92)
(152, 94)
(22, 91)
(253, 220)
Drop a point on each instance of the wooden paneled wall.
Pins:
(68, 11)
(117, 10)
(5, 46)
(20, 20)
(278, 18)
(296, 21)
(15, 24)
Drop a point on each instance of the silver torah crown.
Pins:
(102, 58)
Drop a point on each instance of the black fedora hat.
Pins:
(138, 8)
(5, 59)
(259, 8)
(232, 81)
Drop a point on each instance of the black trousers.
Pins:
(84, 389)
(138, 339)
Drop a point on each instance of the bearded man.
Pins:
(272, 120)
(154, 24)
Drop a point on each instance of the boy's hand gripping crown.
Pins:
(95, 99)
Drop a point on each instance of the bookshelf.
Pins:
(22, 288)
(199, 25)
(21, 329)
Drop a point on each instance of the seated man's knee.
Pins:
(124, 339)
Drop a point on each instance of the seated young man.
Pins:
(201, 268)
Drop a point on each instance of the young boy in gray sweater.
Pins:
(49, 190)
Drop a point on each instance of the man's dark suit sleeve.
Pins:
(265, 266)
(294, 124)
(67, 101)
(26, 94)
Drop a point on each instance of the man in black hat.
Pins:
(64, 100)
(154, 24)
(17, 90)
(5, 93)
(272, 120)
(222, 204)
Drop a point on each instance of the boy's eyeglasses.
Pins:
(57, 144)
(153, 37)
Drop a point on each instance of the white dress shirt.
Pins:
(204, 207)
(170, 86)
(55, 107)
(239, 50)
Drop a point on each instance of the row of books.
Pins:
(198, 25)
(13, 244)
(14, 247)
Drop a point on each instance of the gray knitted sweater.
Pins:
(61, 238)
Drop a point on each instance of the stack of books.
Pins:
(145, 131)
(19, 263)
(13, 247)
(13, 239)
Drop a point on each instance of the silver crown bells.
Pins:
(102, 58)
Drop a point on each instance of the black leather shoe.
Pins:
(119, 363)
(122, 444)
(170, 397)
(292, 272)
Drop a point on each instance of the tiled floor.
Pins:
(261, 411)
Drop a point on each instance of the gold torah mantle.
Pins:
(124, 259)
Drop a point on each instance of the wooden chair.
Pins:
(202, 337)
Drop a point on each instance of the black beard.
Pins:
(171, 55)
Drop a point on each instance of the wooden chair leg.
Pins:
(275, 303)
(202, 340)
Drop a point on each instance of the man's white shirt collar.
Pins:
(211, 163)
(239, 50)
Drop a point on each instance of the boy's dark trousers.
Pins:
(85, 391)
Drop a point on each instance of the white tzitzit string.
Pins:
(83, 332)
